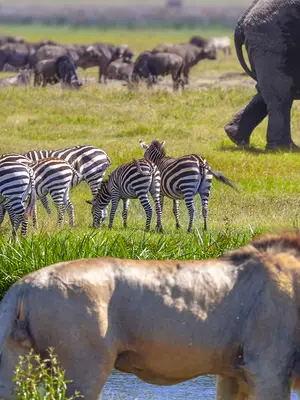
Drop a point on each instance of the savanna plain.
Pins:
(114, 118)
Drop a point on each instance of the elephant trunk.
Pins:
(239, 40)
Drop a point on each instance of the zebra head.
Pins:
(100, 204)
(155, 152)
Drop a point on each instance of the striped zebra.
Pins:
(16, 184)
(129, 181)
(89, 161)
(11, 157)
(55, 177)
(183, 178)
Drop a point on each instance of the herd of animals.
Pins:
(26, 178)
(168, 321)
(50, 62)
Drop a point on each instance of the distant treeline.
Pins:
(141, 16)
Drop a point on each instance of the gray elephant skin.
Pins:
(270, 31)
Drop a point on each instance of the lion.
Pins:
(164, 321)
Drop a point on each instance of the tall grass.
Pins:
(28, 255)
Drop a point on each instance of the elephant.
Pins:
(269, 29)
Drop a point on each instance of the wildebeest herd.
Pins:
(51, 62)
(25, 178)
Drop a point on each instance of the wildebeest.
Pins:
(102, 54)
(49, 52)
(164, 321)
(119, 70)
(199, 41)
(23, 79)
(191, 54)
(11, 39)
(57, 70)
(15, 54)
(150, 66)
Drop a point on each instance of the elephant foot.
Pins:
(273, 146)
(231, 131)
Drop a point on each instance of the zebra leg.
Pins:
(24, 227)
(13, 220)
(148, 210)
(125, 211)
(162, 201)
(176, 213)
(204, 200)
(157, 201)
(69, 206)
(34, 217)
(60, 213)
(70, 211)
(2, 213)
(45, 204)
(204, 192)
(114, 207)
(189, 202)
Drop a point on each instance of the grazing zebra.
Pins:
(55, 177)
(129, 181)
(183, 178)
(89, 161)
(16, 183)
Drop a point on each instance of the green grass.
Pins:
(113, 118)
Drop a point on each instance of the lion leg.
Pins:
(229, 389)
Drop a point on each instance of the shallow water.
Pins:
(128, 387)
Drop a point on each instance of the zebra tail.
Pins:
(220, 177)
(32, 202)
(137, 164)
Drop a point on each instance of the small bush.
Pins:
(38, 379)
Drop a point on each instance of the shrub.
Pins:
(40, 379)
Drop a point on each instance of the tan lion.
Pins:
(164, 321)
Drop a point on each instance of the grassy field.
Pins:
(113, 118)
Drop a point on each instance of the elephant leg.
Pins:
(239, 129)
(279, 126)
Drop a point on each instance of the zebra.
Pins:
(183, 178)
(129, 181)
(55, 177)
(16, 184)
(11, 157)
(89, 161)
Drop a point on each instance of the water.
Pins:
(128, 387)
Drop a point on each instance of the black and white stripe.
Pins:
(89, 161)
(11, 157)
(182, 178)
(129, 181)
(16, 184)
(55, 177)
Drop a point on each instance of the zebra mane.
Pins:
(159, 147)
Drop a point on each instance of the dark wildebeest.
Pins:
(191, 55)
(199, 42)
(48, 52)
(150, 66)
(11, 39)
(23, 79)
(101, 55)
(15, 54)
(119, 70)
(61, 69)
(164, 321)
